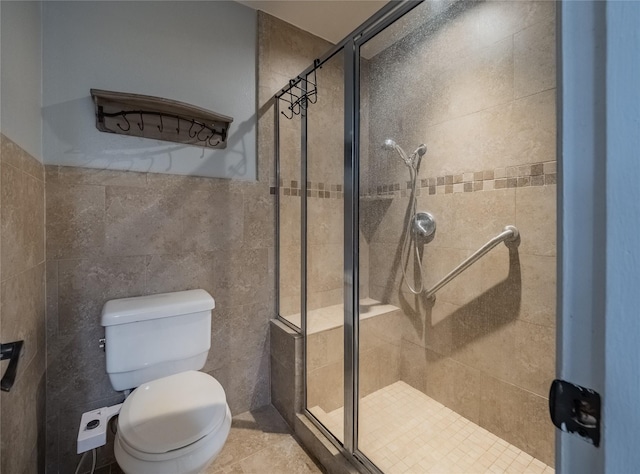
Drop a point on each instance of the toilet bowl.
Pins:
(173, 425)
(176, 420)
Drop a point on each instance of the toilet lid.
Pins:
(172, 412)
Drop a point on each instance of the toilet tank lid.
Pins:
(164, 305)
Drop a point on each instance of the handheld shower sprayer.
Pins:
(390, 144)
(421, 150)
(419, 224)
(412, 160)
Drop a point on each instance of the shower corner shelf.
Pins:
(159, 119)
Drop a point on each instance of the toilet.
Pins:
(176, 420)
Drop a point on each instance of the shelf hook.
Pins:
(204, 127)
(190, 128)
(124, 116)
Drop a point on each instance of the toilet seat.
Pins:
(164, 416)
(192, 459)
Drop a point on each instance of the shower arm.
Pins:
(509, 235)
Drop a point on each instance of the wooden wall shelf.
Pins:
(159, 119)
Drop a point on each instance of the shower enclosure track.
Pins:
(509, 235)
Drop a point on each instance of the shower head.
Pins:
(390, 144)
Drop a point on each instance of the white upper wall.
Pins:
(21, 74)
(202, 53)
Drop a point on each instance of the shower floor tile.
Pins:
(402, 430)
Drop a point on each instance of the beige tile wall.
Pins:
(22, 307)
(115, 234)
(284, 52)
(287, 51)
(379, 352)
(325, 217)
(479, 90)
(119, 234)
(286, 371)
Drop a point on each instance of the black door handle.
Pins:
(10, 351)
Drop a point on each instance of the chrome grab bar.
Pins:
(509, 234)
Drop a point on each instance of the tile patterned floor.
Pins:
(260, 442)
(404, 431)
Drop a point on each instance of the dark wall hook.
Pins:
(10, 351)
(128, 124)
(308, 93)
(191, 128)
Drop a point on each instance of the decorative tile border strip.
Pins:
(537, 174)
(315, 189)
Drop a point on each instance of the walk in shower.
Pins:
(417, 236)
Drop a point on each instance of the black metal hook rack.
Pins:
(204, 134)
(159, 119)
(307, 94)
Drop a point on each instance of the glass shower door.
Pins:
(324, 213)
(457, 382)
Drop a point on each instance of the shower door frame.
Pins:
(352, 227)
(350, 46)
(383, 18)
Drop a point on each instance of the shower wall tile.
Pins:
(384, 265)
(325, 221)
(535, 58)
(511, 134)
(515, 414)
(284, 52)
(413, 365)
(538, 304)
(325, 387)
(481, 79)
(453, 384)
(290, 208)
(322, 299)
(325, 270)
(536, 220)
(533, 363)
(485, 106)
(22, 306)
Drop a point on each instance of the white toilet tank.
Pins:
(148, 337)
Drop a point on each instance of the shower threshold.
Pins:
(402, 430)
